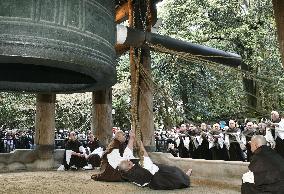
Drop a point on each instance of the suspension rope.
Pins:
(135, 92)
(165, 95)
(211, 64)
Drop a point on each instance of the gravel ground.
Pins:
(79, 182)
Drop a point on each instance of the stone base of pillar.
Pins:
(44, 151)
(26, 159)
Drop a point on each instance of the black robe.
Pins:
(248, 134)
(182, 150)
(23, 143)
(77, 161)
(167, 177)
(193, 151)
(217, 152)
(235, 152)
(268, 169)
(94, 159)
(203, 149)
(279, 147)
(272, 128)
(174, 150)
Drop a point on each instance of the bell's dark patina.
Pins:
(57, 45)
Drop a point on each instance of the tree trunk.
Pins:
(278, 6)
(250, 88)
(167, 120)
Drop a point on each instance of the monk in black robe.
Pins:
(216, 143)
(77, 159)
(93, 144)
(158, 177)
(266, 173)
(108, 172)
(235, 151)
(275, 119)
(182, 150)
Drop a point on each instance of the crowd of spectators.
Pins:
(11, 139)
(221, 140)
(212, 141)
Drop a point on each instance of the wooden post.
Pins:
(45, 124)
(278, 6)
(146, 102)
(102, 115)
(145, 96)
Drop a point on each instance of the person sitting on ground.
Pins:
(74, 155)
(94, 152)
(111, 158)
(266, 169)
(158, 177)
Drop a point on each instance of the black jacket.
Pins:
(268, 169)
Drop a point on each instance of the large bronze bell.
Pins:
(57, 45)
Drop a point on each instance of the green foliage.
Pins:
(73, 111)
(17, 110)
(121, 95)
(208, 91)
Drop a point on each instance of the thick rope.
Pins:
(135, 78)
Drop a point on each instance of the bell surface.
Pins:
(57, 45)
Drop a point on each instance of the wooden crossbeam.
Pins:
(121, 49)
(121, 13)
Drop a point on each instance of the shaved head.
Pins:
(119, 135)
(257, 141)
(125, 165)
(274, 115)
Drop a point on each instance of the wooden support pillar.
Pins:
(102, 115)
(141, 79)
(45, 124)
(278, 6)
(146, 101)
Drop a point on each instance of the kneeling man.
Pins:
(266, 169)
(160, 177)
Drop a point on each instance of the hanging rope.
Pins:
(169, 99)
(135, 78)
(210, 64)
(133, 111)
